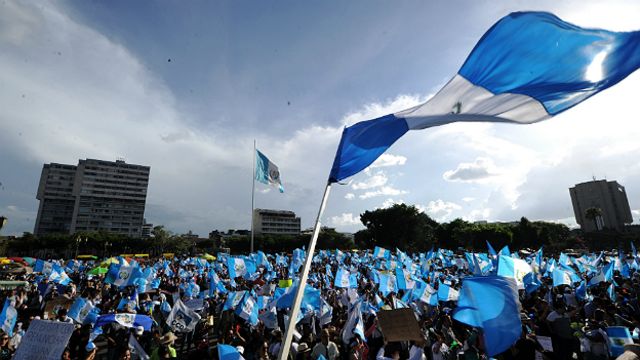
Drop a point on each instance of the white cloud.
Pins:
(478, 214)
(390, 202)
(386, 160)
(350, 196)
(481, 169)
(345, 219)
(373, 181)
(441, 210)
(468, 199)
(383, 191)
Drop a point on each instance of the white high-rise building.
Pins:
(102, 196)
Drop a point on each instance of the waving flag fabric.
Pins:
(80, 309)
(8, 318)
(513, 268)
(528, 67)
(491, 303)
(126, 320)
(228, 352)
(267, 172)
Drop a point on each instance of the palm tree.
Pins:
(594, 214)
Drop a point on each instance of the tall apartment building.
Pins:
(275, 222)
(55, 193)
(608, 198)
(105, 195)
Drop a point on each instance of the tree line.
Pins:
(400, 226)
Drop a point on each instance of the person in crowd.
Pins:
(325, 347)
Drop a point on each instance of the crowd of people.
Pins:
(583, 306)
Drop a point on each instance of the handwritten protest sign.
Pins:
(54, 305)
(399, 325)
(44, 340)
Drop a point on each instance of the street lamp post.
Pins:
(107, 244)
(78, 241)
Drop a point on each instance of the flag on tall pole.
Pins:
(528, 67)
(265, 172)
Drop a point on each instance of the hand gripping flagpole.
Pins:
(295, 308)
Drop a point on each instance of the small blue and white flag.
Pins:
(561, 277)
(233, 299)
(513, 268)
(8, 318)
(527, 67)
(239, 267)
(267, 172)
(387, 284)
(381, 253)
(354, 324)
(181, 318)
(447, 293)
(44, 267)
(248, 310)
(136, 349)
(126, 320)
(404, 280)
(80, 309)
(425, 293)
(228, 352)
(344, 279)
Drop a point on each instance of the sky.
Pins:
(186, 88)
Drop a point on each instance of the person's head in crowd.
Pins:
(125, 354)
(66, 354)
(4, 339)
(303, 351)
(324, 337)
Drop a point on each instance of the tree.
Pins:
(161, 236)
(594, 214)
(402, 226)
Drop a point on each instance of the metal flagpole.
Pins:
(293, 314)
(253, 190)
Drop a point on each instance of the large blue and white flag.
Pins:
(267, 172)
(528, 67)
(491, 303)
